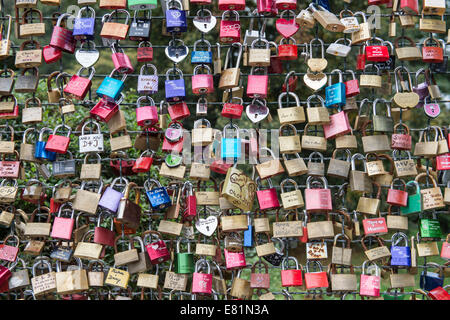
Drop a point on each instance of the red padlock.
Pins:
(286, 4)
(202, 282)
(377, 2)
(267, 198)
(190, 212)
(377, 53)
(58, 144)
(220, 166)
(200, 2)
(338, 125)
(237, 5)
(401, 141)
(104, 110)
(230, 30)
(234, 260)
(233, 110)
(317, 279)
(257, 84)
(287, 51)
(439, 293)
(121, 167)
(291, 277)
(260, 280)
(202, 83)
(63, 227)
(375, 226)
(173, 138)
(317, 200)
(103, 235)
(178, 111)
(276, 64)
(146, 116)
(410, 6)
(361, 59)
(431, 54)
(443, 162)
(54, 206)
(144, 52)
(78, 86)
(51, 54)
(290, 82)
(369, 285)
(351, 86)
(7, 252)
(13, 114)
(143, 163)
(5, 274)
(157, 250)
(397, 197)
(62, 38)
(122, 62)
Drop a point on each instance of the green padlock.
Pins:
(184, 261)
(430, 229)
(389, 295)
(173, 160)
(414, 200)
(142, 4)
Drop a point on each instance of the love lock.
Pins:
(257, 110)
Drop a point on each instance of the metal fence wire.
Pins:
(151, 218)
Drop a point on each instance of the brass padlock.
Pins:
(363, 34)
(327, 19)
(27, 83)
(370, 80)
(32, 114)
(31, 29)
(229, 78)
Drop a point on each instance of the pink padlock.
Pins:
(338, 125)
(266, 7)
(234, 260)
(257, 84)
(202, 83)
(317, 200)
(351, 86)
(286, 4)
(122, 62)
(202, 282)
(157, 251)
(267, 198)
(370, 284)
(78, 86)
(230, 30)
(146, 116)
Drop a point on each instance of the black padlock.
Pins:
(140, 26)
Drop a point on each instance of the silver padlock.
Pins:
(91, 142)
(147, 84)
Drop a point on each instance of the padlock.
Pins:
(140, 27)
(431, 197)
(40, 151)
(121, 61)
(267, 198)
(31, 29)
(388, 64)
(432, 54)
(291, 199)
(290, 115)
(232, 5)
(230, 27)
(62, 227)
(10, 108)
(409, 6)
(414, 203)
(104, 110)
(175, 89)
(382, 123)
(62, 38)
(146, 115)
(44, 283)
(433, 88)
(129, 212)
(250, 33)
(125, 257)
(314, 143)
(327, 19)
(64, 168)
(401, 141)
(56, 143)
(110, 198)
(115, 30)
(202, 83)
(5, 43)
(27, 83)
(339, 50)
(363, 34)
(435, 67)
(426, 147)
(83, 28)
(316, 168)
(25, 3)
(350, 22)
(351, 86)
(144, 52)
(156, 250)
(378, 253)
(400, 255)
(397, 197)
(231, 147)
(143, 163)
(431, 280)
(296, 166)
(317, 115)
(110, 89)
(173, 139)
(201, 56)
(19, 279)
(190, 211)
(85, 200)
(184, 261)
(78, 86)
(233, 110)
(175, 17)
(408, 53)
(259, 57)
(370, 284)
(257, 84)
(92, 142)
(289, 50)
(158, 197)
(359, 180)
(102, 235)
(338, 125)
(339, 168)
(305, 19)
(316, 279)
(202, 282)
(370, 80)
(29, 58)
(317, 200)
(9, 252)
(291, 277)
(376, 53)
(374, 143)
(229, 78)
(91, 171)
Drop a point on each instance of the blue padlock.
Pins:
(111, 88)
(175, 89)
(431, 280)
(248, 234)
(203, 57)
(158, 197)
(231, 147)
(83, 28)
(39, 151)
(335, 93)
(400, 256)
(175, 17)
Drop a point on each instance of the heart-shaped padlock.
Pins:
(206, 226)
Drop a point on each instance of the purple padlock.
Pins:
(421, 88)
(111, 198)
(175, 89)
(83, 28)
